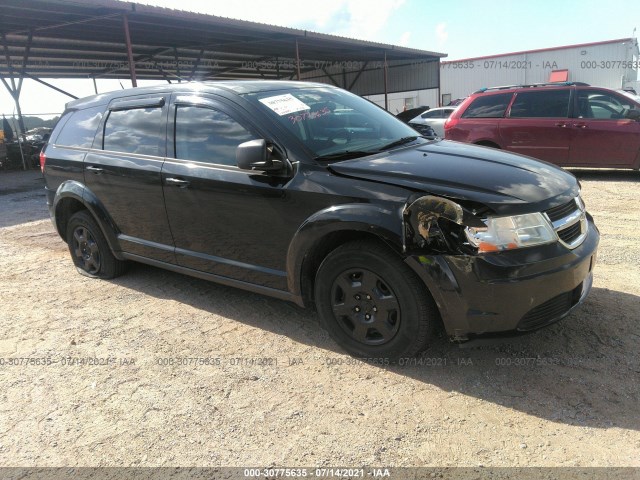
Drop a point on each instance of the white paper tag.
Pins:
(284, 104)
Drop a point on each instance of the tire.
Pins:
(89, 249)
(372, 304)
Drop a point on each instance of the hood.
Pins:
(505, 182)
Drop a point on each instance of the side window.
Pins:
(541, 104)
(489, 106)
(81, 127)
(208, 135)
(600, 105)
(431, 114)
(134, 131)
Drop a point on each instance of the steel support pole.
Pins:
(439, 88)
(14, 91)
(16, 98)
(297, 60)
(127, 37)
(386, 97)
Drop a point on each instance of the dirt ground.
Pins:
(159, 369)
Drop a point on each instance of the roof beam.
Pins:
(66, 24)
(127, 38)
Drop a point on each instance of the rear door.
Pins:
(123, 171)
(538, 125)
(602, 136)
(225, 221)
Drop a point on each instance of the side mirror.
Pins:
(252, 154)
(255, 155)
(633, 114)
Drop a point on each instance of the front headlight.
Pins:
(507, 233)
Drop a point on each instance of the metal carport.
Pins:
(92, 39)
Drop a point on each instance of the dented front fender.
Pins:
(423, 221)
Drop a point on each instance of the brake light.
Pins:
(43, 160)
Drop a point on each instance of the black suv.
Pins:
(311, 194)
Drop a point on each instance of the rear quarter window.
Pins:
(80, 128)
(489, 106)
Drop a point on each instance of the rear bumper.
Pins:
(509, 292)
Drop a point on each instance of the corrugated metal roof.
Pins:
(83, 38)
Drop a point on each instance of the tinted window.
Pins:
(81, 128)
(134, 131)
(546, 103)
(207, 135)
(600, 105)
(489, 106)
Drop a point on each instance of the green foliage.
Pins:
(32, 122)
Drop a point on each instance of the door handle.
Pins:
(580, 125)
(561, 124)
(96, 170)
(178, 182)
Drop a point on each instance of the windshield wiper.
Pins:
(399, 142)
(346, 155)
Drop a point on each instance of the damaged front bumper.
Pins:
(512, 291)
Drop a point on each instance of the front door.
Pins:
(224, 220)
(602, 136)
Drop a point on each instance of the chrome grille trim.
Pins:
(568, 221)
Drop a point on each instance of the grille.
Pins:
(569, 222)
(550, 310)
(556, 213)
(571, 233)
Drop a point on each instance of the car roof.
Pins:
(515, 88)
(238, 87)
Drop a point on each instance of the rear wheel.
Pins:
(89, 248)
(372, 303)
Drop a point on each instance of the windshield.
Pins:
(334, 124)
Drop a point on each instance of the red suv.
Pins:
(569, 124)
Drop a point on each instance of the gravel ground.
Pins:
(263, 385)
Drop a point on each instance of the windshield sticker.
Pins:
(284, 104)
(309, 115)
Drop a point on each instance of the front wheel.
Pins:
(89, 248)
(372, 303)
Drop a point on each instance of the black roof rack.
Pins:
(534, 85)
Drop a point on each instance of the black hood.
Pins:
(505, 182)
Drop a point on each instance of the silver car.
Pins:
(435, 118)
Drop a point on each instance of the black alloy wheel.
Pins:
(86, 251)
(89, 249)
(372, 304)
(365, 307)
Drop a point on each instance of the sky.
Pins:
(459, 28)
